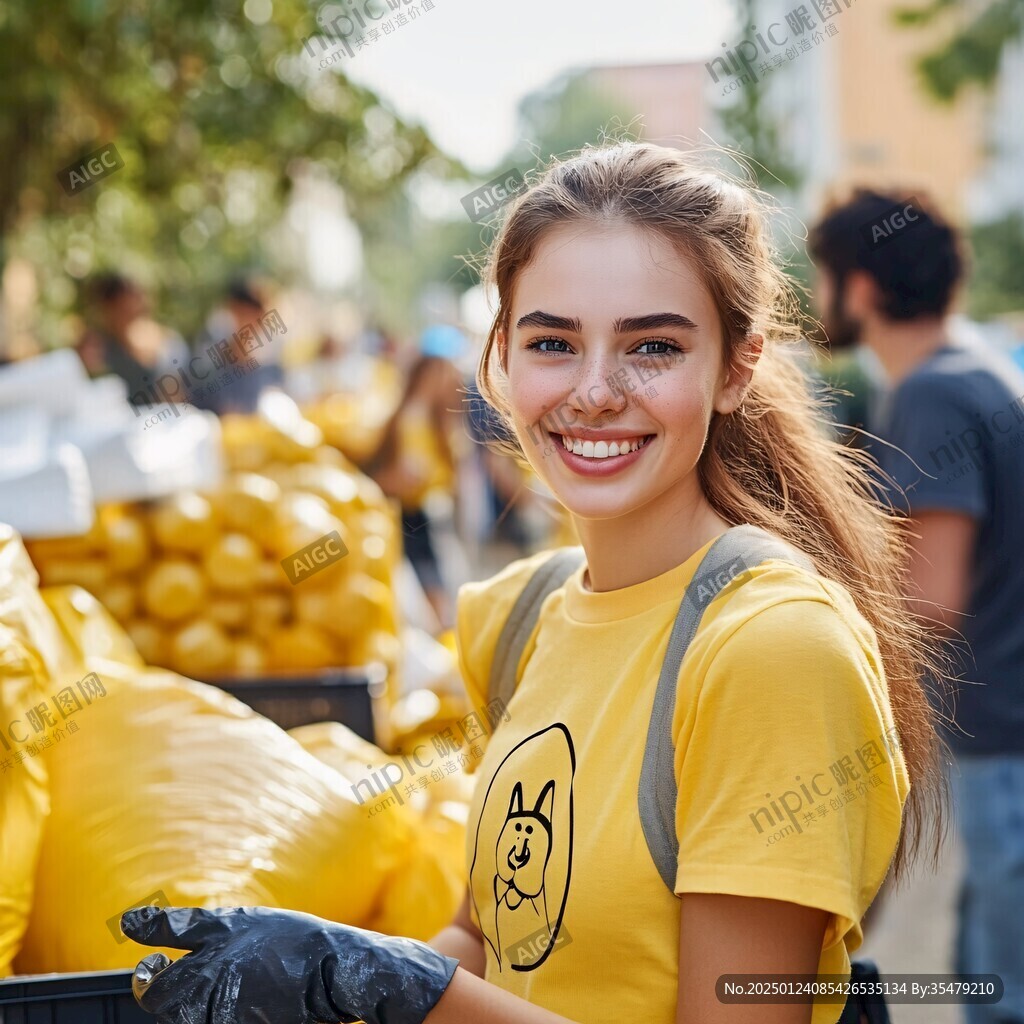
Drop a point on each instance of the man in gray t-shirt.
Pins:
(950, 425)
(957, 426)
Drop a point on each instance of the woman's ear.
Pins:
(741, 368)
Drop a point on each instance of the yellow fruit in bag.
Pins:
(365, 604)
(229, 612)
(184, 522)
(250, 659)
(300, 647)
(248, 503)
(203, 648)
(215, 806)
(126, 543)
(336, 487)
(232, 563)
(269, 610)
(173, 590)
(301, 520)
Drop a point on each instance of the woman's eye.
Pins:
(538, 343)
(668, 347)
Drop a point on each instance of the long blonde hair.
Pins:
(771, 463)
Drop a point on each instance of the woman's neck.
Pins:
(629, 550)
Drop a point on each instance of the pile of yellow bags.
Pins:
(203, 583)
(136, 785)
(29, 643)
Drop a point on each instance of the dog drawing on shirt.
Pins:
(521, 855)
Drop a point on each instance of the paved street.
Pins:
(914, 934)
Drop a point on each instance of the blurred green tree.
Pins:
(997, 282)
(972, 54)
(570, 113)
(217, 107)
(752, 123)
(973, 51)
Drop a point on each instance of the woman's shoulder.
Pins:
(482, 608)
(503, 588)
(780, 616)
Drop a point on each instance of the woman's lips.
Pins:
(589, 466)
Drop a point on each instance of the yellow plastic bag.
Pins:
(23, 792)
(24, 611)
(422, 893)
(171, 791)
(30, 650)
(87, 629)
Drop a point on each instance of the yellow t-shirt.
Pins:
(780, 696)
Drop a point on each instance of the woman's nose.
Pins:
(596, 391)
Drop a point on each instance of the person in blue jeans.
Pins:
(950, 429)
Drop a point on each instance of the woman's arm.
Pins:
(462, 941)
(468, 996)
(721, 934)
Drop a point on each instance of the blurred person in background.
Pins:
(416, 457)
(952, 422)
(243, 303)
(504, 482)
(121, 338)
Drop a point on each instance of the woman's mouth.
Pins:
(600, 457)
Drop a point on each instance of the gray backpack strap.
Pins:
(523, 618)
(727, 561)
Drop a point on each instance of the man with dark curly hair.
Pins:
(952, 421)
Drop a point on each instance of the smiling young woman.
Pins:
(801, 666)
(612, 260)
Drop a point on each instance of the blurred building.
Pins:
(840, 83)
(852, 110)
(999, 189)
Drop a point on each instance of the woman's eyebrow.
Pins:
(556, 323)
(626, 325)
(653, 321)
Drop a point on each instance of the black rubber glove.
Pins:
(253, 965)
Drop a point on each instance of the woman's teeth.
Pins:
(602, 449)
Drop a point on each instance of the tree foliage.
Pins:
(973, 50)
(214, 105)
(752, 124)
(997, 283)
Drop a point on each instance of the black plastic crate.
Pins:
(333, 695)
(104, 997)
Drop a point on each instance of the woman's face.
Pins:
(614, 344)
